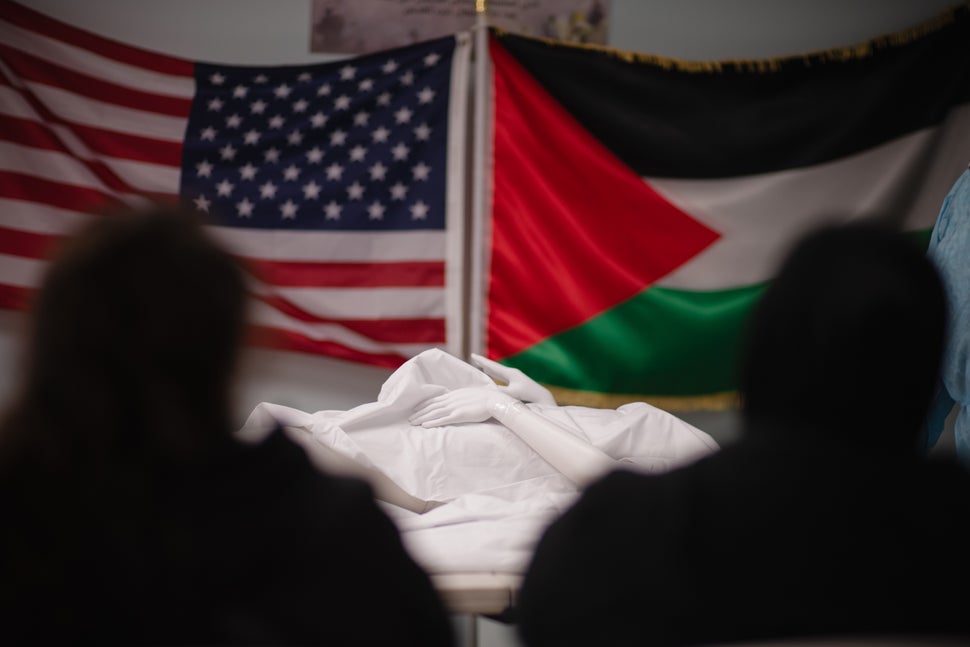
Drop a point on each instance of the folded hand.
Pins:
(520, 386)
(468, 404)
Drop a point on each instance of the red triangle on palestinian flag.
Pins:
(575, 231)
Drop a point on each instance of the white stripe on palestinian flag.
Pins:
(760, 216)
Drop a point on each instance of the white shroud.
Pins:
(471, 497)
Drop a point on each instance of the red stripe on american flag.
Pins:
(100, 142)
(56, 194)
(28, 133)
(364, 275)
(35, 21)
(400, 331)
(389, 331)
(287, 340)
(13, 297)
(33, 69)
(429, 331)
(17, 242)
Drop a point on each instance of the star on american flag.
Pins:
(357, 144)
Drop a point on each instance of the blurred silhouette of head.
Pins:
(134, 340)
(847, 338)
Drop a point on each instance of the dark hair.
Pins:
(848, 337)
(134, 338)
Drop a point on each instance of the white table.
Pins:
(482, 594)
(477, 594)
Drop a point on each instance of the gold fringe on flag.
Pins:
(729, 400)
(840, 54)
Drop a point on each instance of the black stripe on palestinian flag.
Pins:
(717, 120)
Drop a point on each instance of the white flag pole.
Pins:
(481, 153)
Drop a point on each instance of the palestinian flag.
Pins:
(640, 205)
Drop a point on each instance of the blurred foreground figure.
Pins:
(822, 519)
(131, 513)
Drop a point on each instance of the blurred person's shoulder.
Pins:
(279, 461)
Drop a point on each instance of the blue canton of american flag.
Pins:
(358, 144)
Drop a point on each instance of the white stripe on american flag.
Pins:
(361, 303)
(39, 218)
(74, 108)
(339, 246)
(21, 272)
(272, 318)
(326, 303)
(142, 176)
(87, 62)
(28, 273)
(58, 167)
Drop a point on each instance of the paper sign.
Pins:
(362, 26)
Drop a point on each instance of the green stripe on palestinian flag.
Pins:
(640, 205)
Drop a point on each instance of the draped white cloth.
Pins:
(491, 495)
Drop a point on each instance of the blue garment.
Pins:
(949, 249)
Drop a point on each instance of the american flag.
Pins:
(338, 184)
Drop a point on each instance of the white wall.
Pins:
(277, 32)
